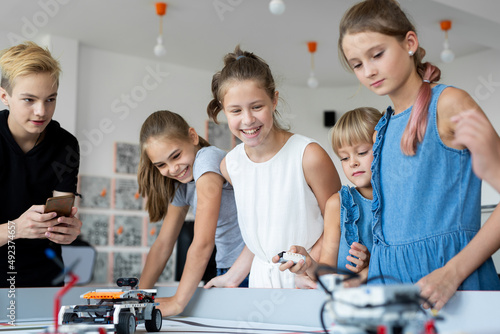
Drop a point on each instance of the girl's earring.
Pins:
(411, 53)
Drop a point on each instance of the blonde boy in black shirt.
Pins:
(38, 159)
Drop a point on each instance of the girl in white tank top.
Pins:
(281, 181)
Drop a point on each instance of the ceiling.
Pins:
(197, 33)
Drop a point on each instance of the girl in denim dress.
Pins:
(426, 198)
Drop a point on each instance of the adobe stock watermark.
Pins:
(223, 6)
(486, 88)
(11, 265)
(121, 106)
(31, 26)
(264, 310)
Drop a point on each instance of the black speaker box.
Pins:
(329, 118)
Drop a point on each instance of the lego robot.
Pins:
(120, 310)
(388, 309)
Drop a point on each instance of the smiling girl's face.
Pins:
(174, 158)
(249, 112)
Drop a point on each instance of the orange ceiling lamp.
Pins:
(161, 9)
(312, 82)
(447, 55)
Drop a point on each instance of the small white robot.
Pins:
(389, 309)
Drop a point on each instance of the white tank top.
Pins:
(276, 208)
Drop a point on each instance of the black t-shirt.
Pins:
(28, 179)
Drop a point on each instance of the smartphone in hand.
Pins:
(61, 205)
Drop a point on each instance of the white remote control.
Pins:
(287, 256)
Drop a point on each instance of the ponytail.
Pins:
(417, 124)
(214, 106)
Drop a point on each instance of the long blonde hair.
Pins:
(159, 190)
(386, 17)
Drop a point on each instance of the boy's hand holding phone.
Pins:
(33, 223)
(67, 226)
(61, 205)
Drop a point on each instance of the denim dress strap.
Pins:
(355, 223)
(349, 215)
(380, 128)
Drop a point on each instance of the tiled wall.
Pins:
(115, 223)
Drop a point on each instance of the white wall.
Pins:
(66, 51)
(118, 92)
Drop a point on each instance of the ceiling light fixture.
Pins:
(161, 8)
(312, 82)
(277, 7)
(447, 55)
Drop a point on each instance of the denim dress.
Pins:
(426, 207)
(355, 224)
